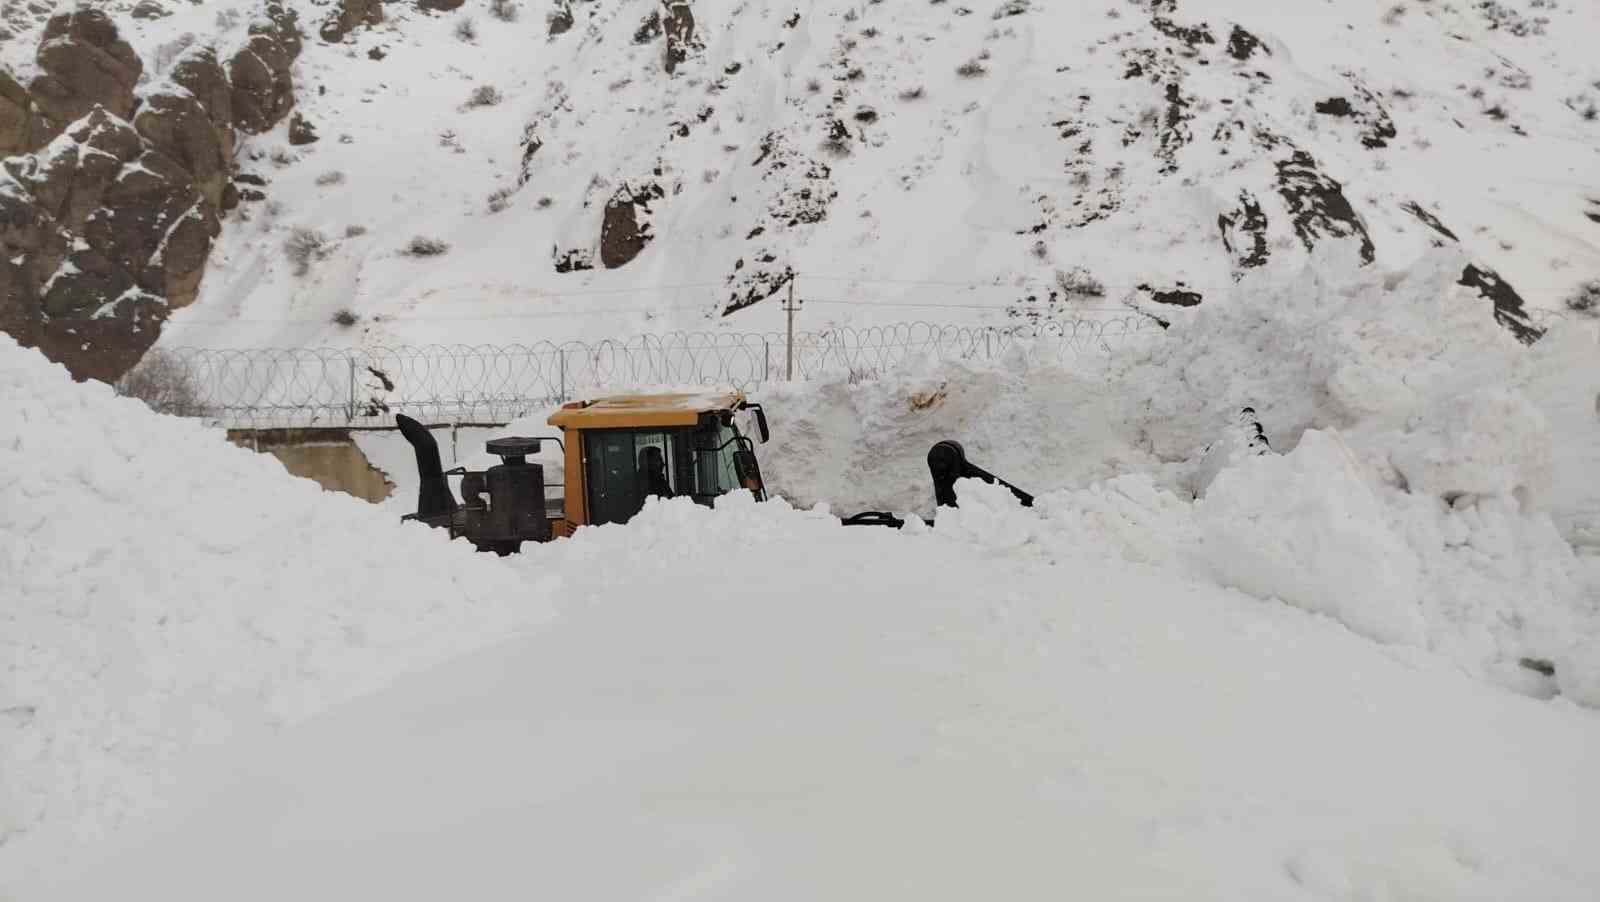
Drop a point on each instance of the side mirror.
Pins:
(761, 421)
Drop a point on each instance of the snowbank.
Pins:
(1437, 477)
(755, 702)
(165, 590)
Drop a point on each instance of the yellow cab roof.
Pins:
(621, 411)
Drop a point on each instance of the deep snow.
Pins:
(756, 702)
(1165, 671)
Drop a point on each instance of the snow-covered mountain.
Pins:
(613, 166)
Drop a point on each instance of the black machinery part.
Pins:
(947, 463)
(513, 511)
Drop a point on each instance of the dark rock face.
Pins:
(149, 9)
(83, 63)
(106, 226)
(263, 89)
(19, 123)
(626, 228)
(441, 6)
(560, 18)
(1318, 206)
(1510, 310)
(1244, 233)
(102, 234)
(347, 16)
(301, 131)
(678, 24)
(1242, 44)
(190, 121)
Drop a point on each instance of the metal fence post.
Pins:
(766, 360)
(563, 354)
(987, 354)
(350, 408)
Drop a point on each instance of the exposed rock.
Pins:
(102, 233)
(301, 131)
(626, 228)
(1179, 296)
(1244, 233)
(560, 19)
(83, 63)
(263, 89)
(679, 27)
(1318, 206)
(573, 260)
(347, 16)
(649, 28)
(19, 125)
(1429, 220)
(1242, 44)
(189, 119)
(442, 6)
(149, 9)
(1510, 310)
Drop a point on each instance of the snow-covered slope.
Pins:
(1170, 693)
(758, 703)
(1157, 148)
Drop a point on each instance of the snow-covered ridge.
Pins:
(1091, 155)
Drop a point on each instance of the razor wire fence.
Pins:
(356, 387)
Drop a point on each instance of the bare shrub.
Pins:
(164, 384)
(423, 246)
(1394, 14)
(1011, 8)
(971, 69)
(504, 10)
(484, 95)
(1079, 282)
(331, 177)
(866, 115)
(545, 202)
(813, 86)
(344, 318)
(467, 29)
(915, 92)
(500, 199)
(303, 247)
(354, 231)
(1585, 299)
(283, 156)
(850, 15)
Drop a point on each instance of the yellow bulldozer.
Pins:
(616, 452)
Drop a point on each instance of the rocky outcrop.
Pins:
(83, 63)
(263, 90)
(625, 230)
(301, 131)
(678, 24)
(347, 16)
(106, 225)
(19, 125)
(103, 234)
(442, 6)
(189, 118)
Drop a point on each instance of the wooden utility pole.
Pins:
(788, 355)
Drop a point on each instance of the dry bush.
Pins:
(423, 246)
(971, 69)
(467, 29)
(1585, 299)
(164, 384)
(331, 177)
(504, 10)
(500, 199)
(303, 247)
(344, 317)
(484, 95)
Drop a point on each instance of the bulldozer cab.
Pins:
(621, 450)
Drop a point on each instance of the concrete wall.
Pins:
(328, 456)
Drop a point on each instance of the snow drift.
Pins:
(164, 589)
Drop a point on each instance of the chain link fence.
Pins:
(310, 387)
